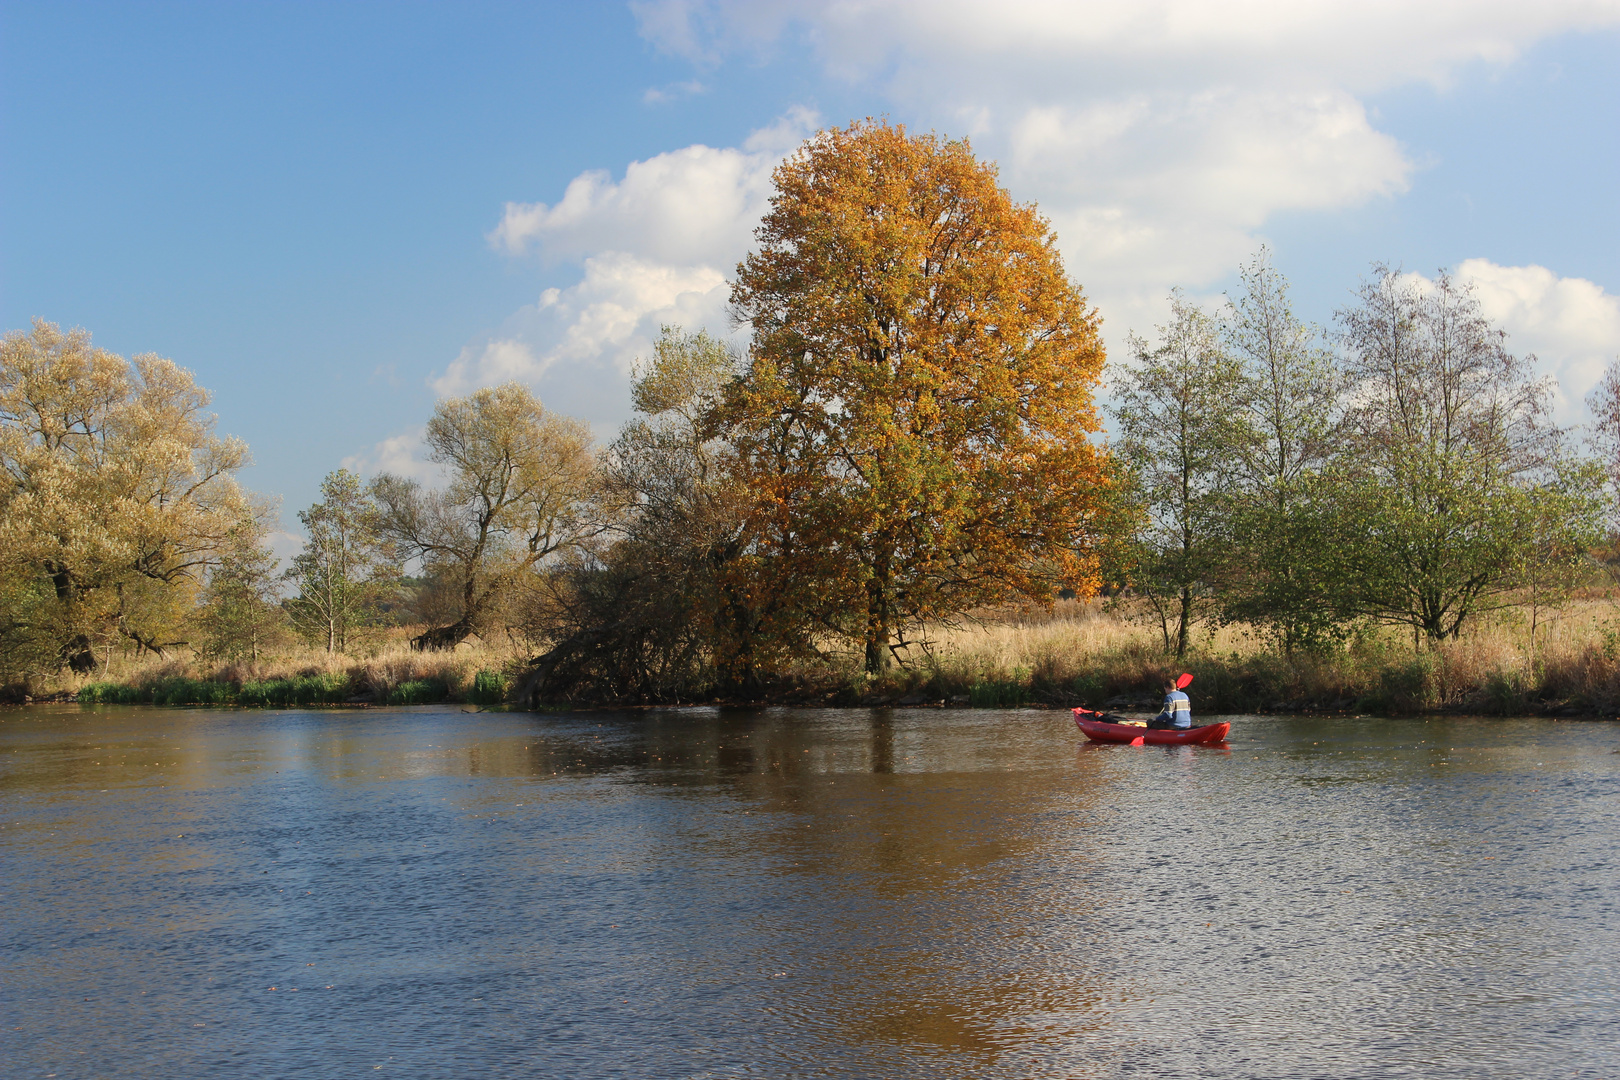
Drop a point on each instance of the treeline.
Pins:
(1403, 469)
(910, 435)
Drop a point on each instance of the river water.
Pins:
(780, 893)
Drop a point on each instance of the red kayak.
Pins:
(1099, 730)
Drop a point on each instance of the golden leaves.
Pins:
(921, 380)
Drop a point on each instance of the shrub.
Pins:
(111, 693)
(419, 692)
(300, 690)
(488, 688)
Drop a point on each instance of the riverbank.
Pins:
(1073, 654)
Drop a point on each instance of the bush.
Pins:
(1404, 688)
(419, 692)
(1090, 688)
(184, 691)
(301, 690)
(111, 693)
(488, 688)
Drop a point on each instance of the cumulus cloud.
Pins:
(1571, 324)
(402, 454)
(575, 346)
(655, 246)
(1150, 190)
(694, 206)
(1019, 44)
(1159, 136)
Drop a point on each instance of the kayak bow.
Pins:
(1099, 730)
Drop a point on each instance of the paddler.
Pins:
(1176, 715)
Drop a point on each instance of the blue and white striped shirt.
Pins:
(1177, 709)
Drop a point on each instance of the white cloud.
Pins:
(575, 346)
(1571, 324)
(662, 95)
(1161, 136)
(1146, 191)
(695, 206)
(402, 454)
(657, 247)
(1036, 45)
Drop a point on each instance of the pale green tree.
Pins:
(1283, 541)
(1449, 474)
(347, 567)
(1181, 407)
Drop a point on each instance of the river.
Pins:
(428, 892)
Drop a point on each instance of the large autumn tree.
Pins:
(917, 409)
(116, 495)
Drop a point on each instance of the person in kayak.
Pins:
(1176, 715)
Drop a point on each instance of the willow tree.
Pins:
(917, 409)
(117, 494)
(519, 480)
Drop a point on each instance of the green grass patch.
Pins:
(488, 688)
(301, 690)
(112, 693)
(419, 692)
(998, 694)
(183, 691)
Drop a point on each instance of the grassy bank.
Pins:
(1073, 654)
(392, 674)
(1078, 654)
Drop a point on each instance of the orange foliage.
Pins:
(918, 408)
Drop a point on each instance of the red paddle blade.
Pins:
(1139, 741)
(1184, 681)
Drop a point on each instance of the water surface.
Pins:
(781, 893)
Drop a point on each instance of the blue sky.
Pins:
(336, 213)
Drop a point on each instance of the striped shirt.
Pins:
(1177, 709)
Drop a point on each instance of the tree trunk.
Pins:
(441, 638)
(78, 655)
(1186, 617)
(878, 628)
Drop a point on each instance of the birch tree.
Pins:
(346, 569)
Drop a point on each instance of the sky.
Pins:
(336, 214)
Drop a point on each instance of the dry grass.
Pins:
(385, 665)
(1079, 654)
(1074, 653)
